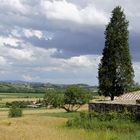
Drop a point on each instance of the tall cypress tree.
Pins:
(115, 69)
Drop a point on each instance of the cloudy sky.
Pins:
(60, 41)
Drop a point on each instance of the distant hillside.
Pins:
(33, 87)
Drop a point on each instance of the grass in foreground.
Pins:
(121, 125)
(61, 114)
(50, 124)
(53, 128)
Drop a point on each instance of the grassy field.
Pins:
(44, 128)
(49, 124)
(21, 95)
(10, 97)
(46, 124)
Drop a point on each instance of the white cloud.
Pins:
(27, 77)
(15, 33)
(2, 60)
(30, 78)
(21, 54)
(31, 33)
(93, 16)
(9, 41)
(66, 11)
(136, 66)
(13, 5)
(82, 61)
(61, 10)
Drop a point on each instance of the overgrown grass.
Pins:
(49, 124)
(50, 128)
(62, 114)
(107, 128)
(122, 125)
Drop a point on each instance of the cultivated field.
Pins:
(49, 124)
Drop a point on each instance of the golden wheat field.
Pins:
(33, 126)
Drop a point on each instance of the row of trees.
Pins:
(6, 87)
(26, 87)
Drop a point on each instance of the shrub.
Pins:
(126, 115)
(121, 122)
(109, 116)
(18, 104)
(137, 117)
(15, 112)
(138, 101)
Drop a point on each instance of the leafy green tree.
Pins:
(54, 98)
(75, 97)
(70, 100)
(115, 70)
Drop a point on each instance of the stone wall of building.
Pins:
(108, 107)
